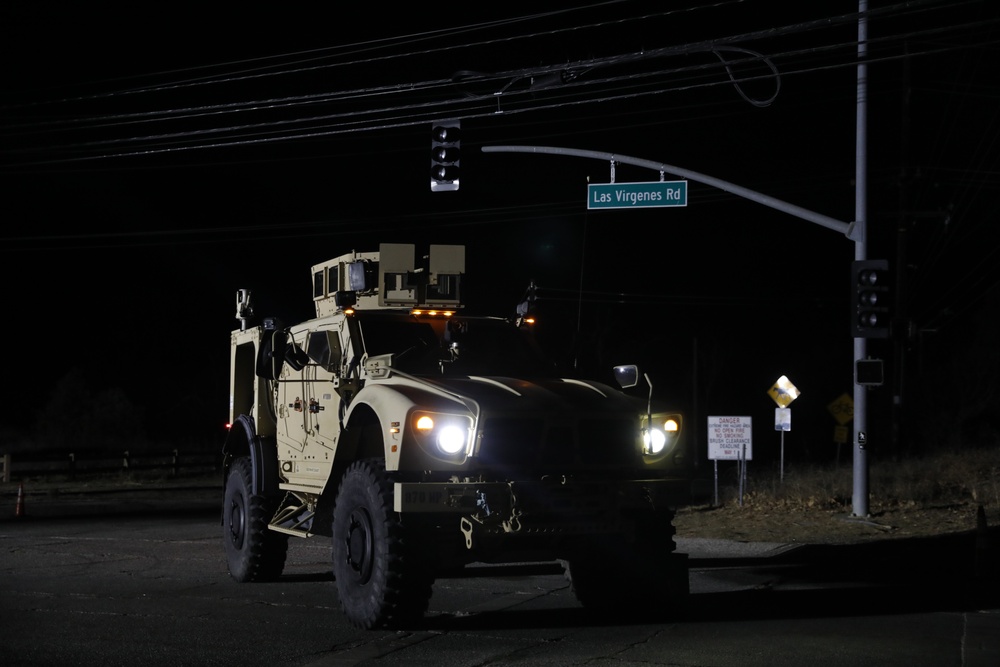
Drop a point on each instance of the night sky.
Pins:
(154, 164)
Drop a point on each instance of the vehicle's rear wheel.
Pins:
(383, 577)
(254, 553)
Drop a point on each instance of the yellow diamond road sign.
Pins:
(842, 409)
(783, 392)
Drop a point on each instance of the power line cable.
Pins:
(282, 133)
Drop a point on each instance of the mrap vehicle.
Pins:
(421, 440)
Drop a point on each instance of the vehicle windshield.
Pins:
(459, 346)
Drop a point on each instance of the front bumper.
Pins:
(540, 510)
(557, 500)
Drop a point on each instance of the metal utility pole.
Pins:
(860, 496)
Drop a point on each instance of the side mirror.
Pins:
(627, 376)
(295, 356)
(271, 355)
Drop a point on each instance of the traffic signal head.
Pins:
(870, 314)
(446, 153)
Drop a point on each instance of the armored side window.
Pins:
(324, 349)
(319, 284)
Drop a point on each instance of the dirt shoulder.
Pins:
(785, 523)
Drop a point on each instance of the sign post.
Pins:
(783, 392)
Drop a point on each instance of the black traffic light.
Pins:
(870, 314)
(446, 153)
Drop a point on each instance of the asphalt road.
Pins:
(138, 577)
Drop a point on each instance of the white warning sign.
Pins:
(730, 438)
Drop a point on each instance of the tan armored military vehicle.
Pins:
(419, 439)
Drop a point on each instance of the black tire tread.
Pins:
(403, 595)
(606, 576)
(263, 556)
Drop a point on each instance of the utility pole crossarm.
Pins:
(847, 229)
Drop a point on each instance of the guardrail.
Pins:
(71, 464)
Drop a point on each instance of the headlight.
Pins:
(654, 441)
(661, 436)
(442, 433)
(451, 439)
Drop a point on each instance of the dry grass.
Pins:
(949, 478)
(934, 495)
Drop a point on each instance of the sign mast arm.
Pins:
(847, 229)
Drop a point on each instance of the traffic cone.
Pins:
(19, 511)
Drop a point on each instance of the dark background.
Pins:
(154, 163)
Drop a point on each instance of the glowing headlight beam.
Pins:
(654, 441)
(451, 439)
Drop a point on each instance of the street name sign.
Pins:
(652, 194)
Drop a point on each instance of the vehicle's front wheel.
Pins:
(383, 577)
(254, 553)
(609, 574)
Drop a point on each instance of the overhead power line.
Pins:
(422, 101)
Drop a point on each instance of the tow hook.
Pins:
(466, 527)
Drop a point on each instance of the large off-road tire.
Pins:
(383, 577)
(254, 553)
(624, 576)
